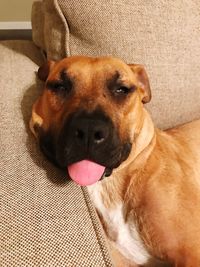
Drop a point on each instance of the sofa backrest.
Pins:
(162, 35)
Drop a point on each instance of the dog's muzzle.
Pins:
(88, 137)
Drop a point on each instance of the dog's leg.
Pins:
(117, 258)
(157, 263)
(188, 260)
(120, 261)
(189, 263)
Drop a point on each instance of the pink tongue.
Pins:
(86, 172)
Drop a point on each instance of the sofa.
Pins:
(47, 220)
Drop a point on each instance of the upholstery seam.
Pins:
(93, 215)
(66, 26)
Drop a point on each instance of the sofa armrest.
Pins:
(45, 219)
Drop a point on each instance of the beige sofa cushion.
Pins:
(45, 220)
(162, 35)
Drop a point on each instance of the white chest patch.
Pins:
(128, 240)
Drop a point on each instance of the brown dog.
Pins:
(90, 120)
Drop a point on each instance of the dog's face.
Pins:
(90, 110)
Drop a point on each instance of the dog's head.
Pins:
(89, 114)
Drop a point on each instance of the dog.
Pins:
(90, 121)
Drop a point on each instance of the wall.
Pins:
(15, 10)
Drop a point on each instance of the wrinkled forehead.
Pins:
(86, 68)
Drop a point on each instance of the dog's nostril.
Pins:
(79, 134)
(98, 137)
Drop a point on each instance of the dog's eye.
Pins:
(58, 88)
(122, 90)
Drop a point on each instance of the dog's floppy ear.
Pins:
(143, 80)
(43, 71)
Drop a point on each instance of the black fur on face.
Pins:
(47, 142)
(89, 136)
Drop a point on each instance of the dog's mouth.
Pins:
(82, 169)
(85, 169)
(87, 172)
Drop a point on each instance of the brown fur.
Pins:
(159, 183)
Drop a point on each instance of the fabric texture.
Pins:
(162, 35)
(49, 28)
(45, 219)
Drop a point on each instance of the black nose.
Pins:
(89, 132)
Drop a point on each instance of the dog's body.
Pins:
(159, 194)
(149, 206)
